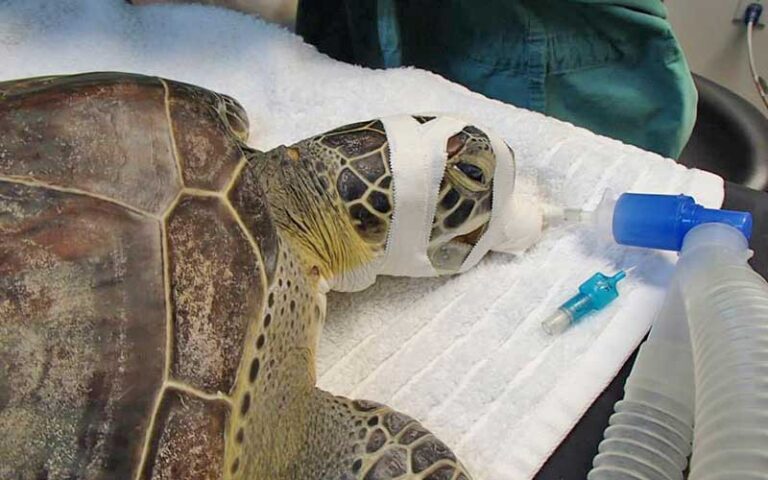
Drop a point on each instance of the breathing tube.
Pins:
(700, 381)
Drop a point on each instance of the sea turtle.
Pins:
(162, 286)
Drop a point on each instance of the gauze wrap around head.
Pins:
(418, 156)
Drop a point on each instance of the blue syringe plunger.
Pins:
(594, 294)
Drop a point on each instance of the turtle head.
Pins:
(332, 195)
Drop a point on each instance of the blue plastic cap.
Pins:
(594, 294)
(662, 221)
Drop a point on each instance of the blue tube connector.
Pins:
(594, 294)
(662, 221)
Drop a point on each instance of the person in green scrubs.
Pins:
(612, 66)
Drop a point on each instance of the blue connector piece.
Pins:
(662, 221)
(594, 295)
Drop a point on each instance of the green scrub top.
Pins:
(613, 67)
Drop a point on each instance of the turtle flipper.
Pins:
(381, 444)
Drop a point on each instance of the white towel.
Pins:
(465, 355)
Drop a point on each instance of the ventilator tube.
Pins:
(704, 365)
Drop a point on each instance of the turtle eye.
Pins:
(472, 171)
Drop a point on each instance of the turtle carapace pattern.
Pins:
(162, 287)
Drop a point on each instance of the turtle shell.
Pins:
(128, 280)
(154, 323)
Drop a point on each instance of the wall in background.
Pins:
(716, 47)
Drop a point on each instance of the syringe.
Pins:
(594, 294)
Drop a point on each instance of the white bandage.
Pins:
(418, 155)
